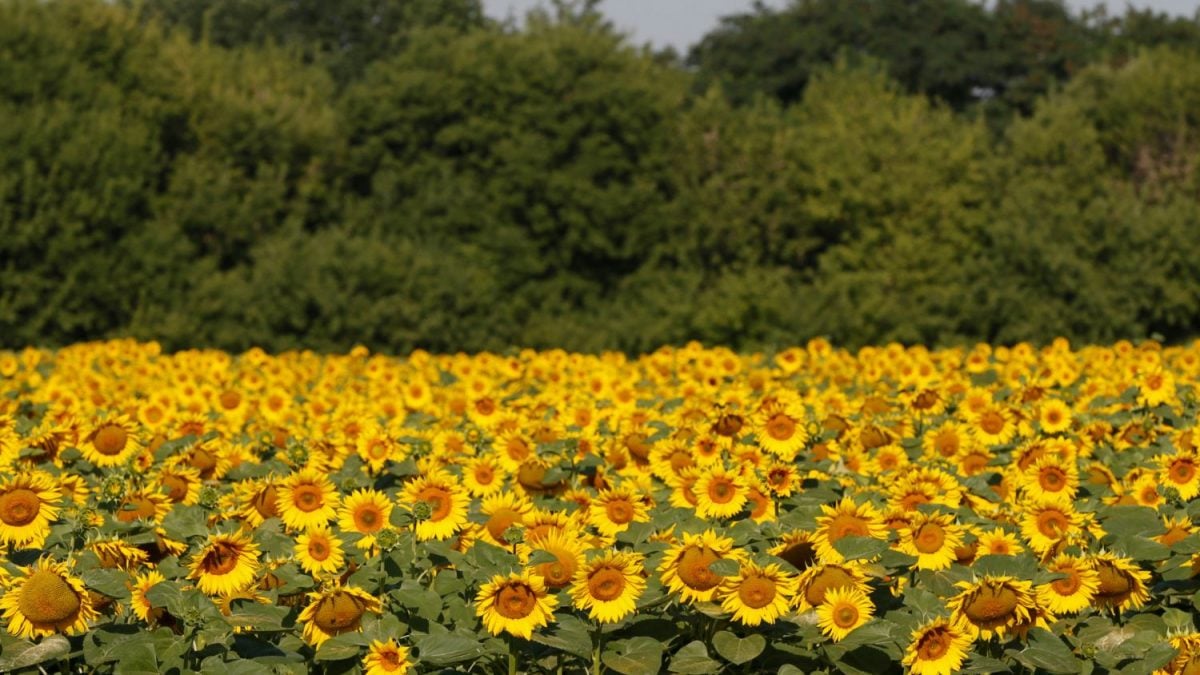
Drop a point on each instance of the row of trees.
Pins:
(404, 173)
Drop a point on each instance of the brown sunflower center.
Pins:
(1052, 479)
(440, 501)
(338, 613)
(992, 422)
(516, 601)
(19, 507)
(619, 511)
(847, 524)
(484, 474)
(368, 518)
(1114, 583)
(781, 427)
(230, 399)
(1052, 523)
(266, 502)
(991, 603)
(801, 555)
(845, 616)
(947, 443)
(606, 584)
(177, 487)
(933, 644)
(110, 440)
(220, 559)
(47, 598)
(318, 549)
(1069, 585)
(757, 592)
(560, 572)
(308, 498)
(929, 538)
(824, 581)
(1182, 471)
(693, 568)
(142, 507)
(721, 490)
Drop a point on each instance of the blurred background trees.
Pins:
(407, 173)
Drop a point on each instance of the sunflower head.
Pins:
(516, 604)
(45, 601)
(334, 611)
(993, 605)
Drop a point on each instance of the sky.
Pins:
(680, 23)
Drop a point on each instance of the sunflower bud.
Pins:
(422, 511)
(387, 539)
(514, 535)
(113, 488)
(297, 454)
(209, 496)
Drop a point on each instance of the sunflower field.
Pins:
(694, 510)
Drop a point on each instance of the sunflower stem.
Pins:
(512, 655)
(597, 667)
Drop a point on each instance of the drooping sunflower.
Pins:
(685, 566)
(180, 483)
(366, 512)
(938, 648)
(142, 607)
(386, 658)
(448, 505)
(516, 604)
(143, 504)
(1122, 584)
(758, 594)
(29, 503)
(256, 500)
(334, 611)
(613, 510)
(993, 605)
(1074, 592)
(45, 601)
(844, 610)
(305, 499)
(798, 547)
(319, 551)
(111, 441)
(608, 587)
(569, 557)
(227, 563)
(932, 538)
(846, 519)
(114, 553)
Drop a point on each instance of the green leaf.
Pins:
(725, 567)
(739, 650)
(1140, 548)
(340, 647)
(1130, 521)
(692, 659)
(185, 522)
(23, 654)
(258, 616)
(1046, 652)
(113, 583)
(569, 634)
(136, 656)
(860, 548)
(634, 656)
(445, 649)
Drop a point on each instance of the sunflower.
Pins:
(818, 580)
(758, 594)
(568, 554)
(29, 503)
(998, 541)
(503, 510)
(1182, 472)
(843, 520)
(334, 611)
(116, 554)
(1122, 584)
(932, 538)
(516, 604)
(1054, 416)
(993, 605)
(613, 510)
(1048, 521)
(256, 500)
(375, 447)
(685, 566)
(227, 563)
(994, 425)
(609, 586)
(45, 601)
(938, 648)
(844, 610)
(319, 551)
(447, 505)
(111, 441)
(142, 607)
(143, 505)
(386, 658)
(305, 499)
(366, 512)
(483, 475)
(798, 548)
(1074, 592)
(780, 430)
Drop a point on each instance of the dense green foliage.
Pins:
(290, 174)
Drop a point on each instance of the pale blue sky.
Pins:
(682, 22)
